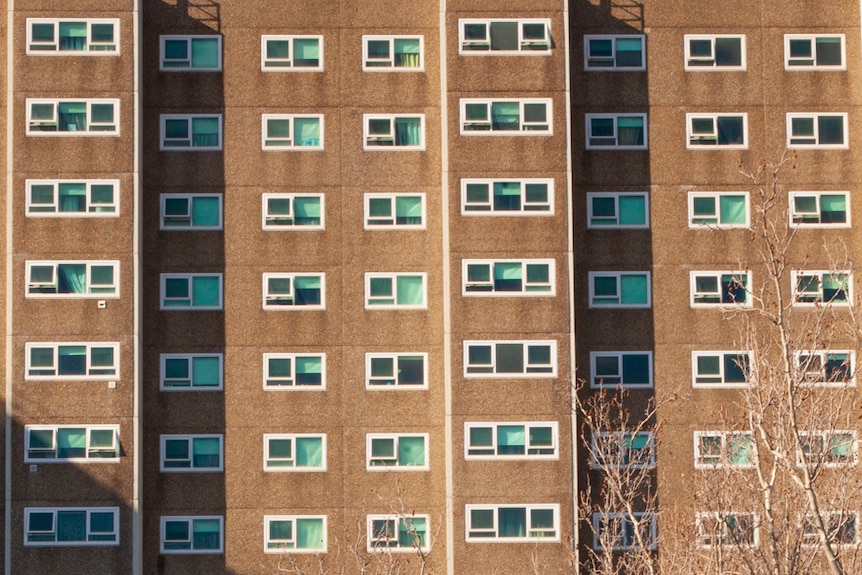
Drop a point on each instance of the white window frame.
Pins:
(393, 199)
(88, 266)
(607, 444)
(625, 520)
(293, 226)
(727, 540)
(818, 378)
(189, 439)
(91, 47)
(523, 182)
(619, 275)
(292, 295)
(290, 67)
(267, 519)
(397, 466)
(86, 542)
(190, 358)
(87, 458)
(596, 382)
(91, 208)
(715, 117)
(392, 543)
(190, 199)
(190, 277)
(527, 425)
(744, 275)
(163, 520)
(722, 355)
(815, 116)
(526, 344)
(493, 532)
(189, 38)
(293, 146)
(294, 468)
(794, 279)
(792, 213)
(717, 196)
(810, 537)
(114, 126)
(714, 67)
(823, 460)
(392, 67)
(189, 118)
(366, 134)
(293, 386)
(814, 66)
(394, 277)
(395, 356)
(521, 51)
(725, 457)
(523, 125)
(613, 57)
(55, 346)
(616, 197)
(588, 119)
(523, 292)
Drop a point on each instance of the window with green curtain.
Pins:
(309, 452)
(833, 208)
(408, 132)
(512, 521)
(307, 290)
(206, 211)
(740, 448)
(636, 449)
(409, 290)
(309, 533)
(206, 451)
(632, 210)
(408, 210)
(840, 447)
(511, 440)
(505, 116)
(71, 442)
(206, 291)
(732, 209)
(206, 534)
(306, 131)
(835, 287)
(633, 289)
(205, 132)
(306, 52)
(630, 131)
(629, 52)
(412, 532)
(309, 370)
(73, 36)
(507, 196)
(72, 278)
(411, 451)
(508, 276)
(72, 360)
(307, 211)
(407, 53)
(205, 53)
(72, 116)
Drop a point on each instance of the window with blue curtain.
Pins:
(408, 132)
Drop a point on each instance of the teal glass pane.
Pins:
(410, 290)
(206, 371)
(280, 367)
(42, 32)
(478, 273)
(475, 112)
(833, 203)
(481, 519)
(605, 286)
(800, 48)
(830, 130)
(177, 535)
(306, 52)
(278, 129)
(102, 438)
(101, 276)
(277, 285)
(281, 448)
(205, 53)
(732, 209)
(307, 282)
(542, 519)
(41, 274)
(206, 212)
(41, 111)
(505, 115)
(309, 533)
(600, 48)
(636, 369)
(176, 128)
(379, 207)
(176, 50)
(407, 46)
(477, 193)
(41, 194)
(176, 368)
(206, 534)
(280, 530)
(71, 525)
(411, 451)
(176, 449)
(378, 50)
(206, 451)
(41, 357)
(176, 287)
(308, 209)
(481, 437)
(633, 290)
(538, 273)
(511, 439)
(307, 131)
(632, 210)
(508, 270)
(309, 365)
(102, 113)
(205, 126)
(541, 437)
(382, 367)
(102, 526)
(41, 438)
(71, 442)
(380, 287)
(73, 30)
(412, 532)
(206, 291)
(708, 365)
(102, 357)
(409, 207)
(102, 33)
(512, 522)
(278, 49)
(309, 452)
(382, 447)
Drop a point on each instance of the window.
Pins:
(395, 290)
(291, 53)
(841, 528)
(711, 289)
(612, 53)
(714, 52)
(72, 361)
(292, 211)
(819, 287)
(294, 371)
(814, 52)
(622, 450)
(532, 440)
(191, 371)
(631, 369)
(190, 211)
(66, 198)
(616, 131)
(718, 209)
(71, 443)
(398, 533)
(190, 132)
(191, 291)
(829, 368)
(190, 53)
(396, 370)
(510, 359)
(619, 210)
(508, 277)
(506, 116)
(399, 131)
(620, 289)
(93, 36)
(292, 132)
(717, 130)
(189, 453)
(192, 535)
(505, 36)
(63, 117)
(71, 526)
(518, 522)
(807, 131)
(394, 211)
(289, 291)
(406, 451)
(827, 448)
(819, 209)
(726, 529)
(88, 279)
(720, 368)
(526, 197)
(294, 452)
(723, 449)
(388, 53)
(624, 531)
(294, 534)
